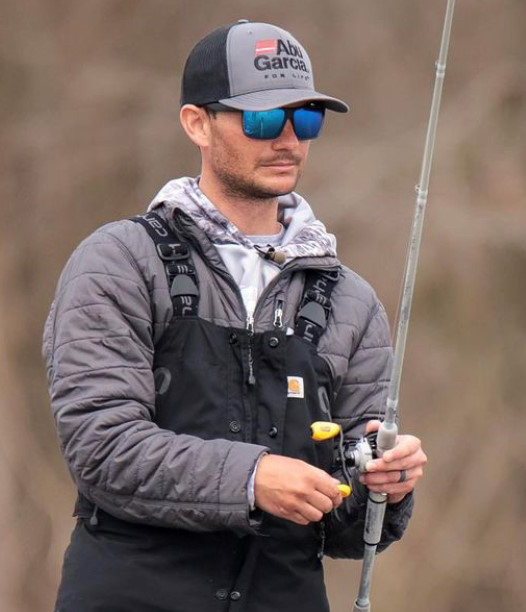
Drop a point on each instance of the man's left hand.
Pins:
(386, 475)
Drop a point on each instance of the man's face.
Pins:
(250, 168)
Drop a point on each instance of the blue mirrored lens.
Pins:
(266, 125)
(307, 122)
(263, 125)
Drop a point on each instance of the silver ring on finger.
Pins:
(403, 476)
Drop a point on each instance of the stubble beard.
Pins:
(242, 187)
(238, 187)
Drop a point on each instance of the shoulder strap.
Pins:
(175, 255)
(315, 306)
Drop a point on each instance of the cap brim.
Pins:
(275, 98)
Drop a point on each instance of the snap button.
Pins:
(273, 342)
(221, 594)
(232, 338)
(273, 431)
(235, 595)
(234, 426)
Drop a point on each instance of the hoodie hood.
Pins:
(305, 236)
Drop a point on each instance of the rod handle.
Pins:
(386, 439)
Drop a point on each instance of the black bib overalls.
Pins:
(214, 382)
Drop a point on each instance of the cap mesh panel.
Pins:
(205, 76)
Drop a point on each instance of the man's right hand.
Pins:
(294, 490)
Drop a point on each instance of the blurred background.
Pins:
(89, 132)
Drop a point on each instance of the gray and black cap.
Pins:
(251, 66)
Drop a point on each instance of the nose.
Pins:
(287, 139)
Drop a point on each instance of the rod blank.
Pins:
(387, 434)
(418, 223)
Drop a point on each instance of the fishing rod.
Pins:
(359, 454)
(389, 429)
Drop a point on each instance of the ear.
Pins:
(196, 123)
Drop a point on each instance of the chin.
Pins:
(279, 187)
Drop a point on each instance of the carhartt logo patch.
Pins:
(295, 386)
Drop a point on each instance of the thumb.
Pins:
(372, 426)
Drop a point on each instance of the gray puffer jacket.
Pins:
(112, 305)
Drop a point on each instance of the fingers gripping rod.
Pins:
(389, 429)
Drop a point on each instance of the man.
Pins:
(189, 351)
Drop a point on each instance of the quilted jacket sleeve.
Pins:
(360, 398)
(99, 352)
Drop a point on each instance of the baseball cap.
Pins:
(251, 66)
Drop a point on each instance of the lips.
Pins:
(281, 163)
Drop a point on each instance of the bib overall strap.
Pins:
(175, 255)
(315, 306)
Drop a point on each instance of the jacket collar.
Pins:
(305, 236)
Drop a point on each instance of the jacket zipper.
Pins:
(250, 329)
(278, 313)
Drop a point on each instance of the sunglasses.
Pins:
(268, 124)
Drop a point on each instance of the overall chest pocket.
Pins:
(195, 373)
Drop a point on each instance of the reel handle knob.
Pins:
(324, 430)
(345, 490)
